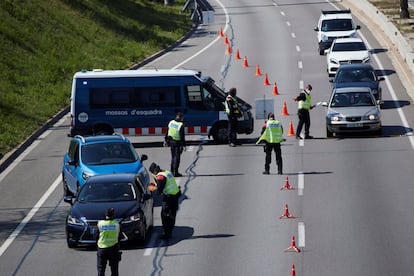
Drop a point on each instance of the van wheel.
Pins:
(329, 134)
(220, 134)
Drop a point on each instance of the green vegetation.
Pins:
(43, 43)
(391, 8)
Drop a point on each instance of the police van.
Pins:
(142, 102)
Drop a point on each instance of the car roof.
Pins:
(348, 39)
(351, 89)
(340, 14)
(110, 178)
(101, 138)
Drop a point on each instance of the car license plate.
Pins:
(354, 125)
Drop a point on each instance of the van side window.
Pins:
(200, 98)
(114, 97)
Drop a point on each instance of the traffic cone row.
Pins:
(293, 246)
(286, 214)
(287, 186)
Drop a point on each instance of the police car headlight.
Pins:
(74, 221)
(132, 218)
(86, 175)
(372, 117)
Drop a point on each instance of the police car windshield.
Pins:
(108, 153)
(336, 25)
(107, 192)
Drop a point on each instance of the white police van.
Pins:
(142, 102)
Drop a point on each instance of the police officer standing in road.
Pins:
(108, 244)
(304, 105)
(233, 113)
(175, 138)
(272, 134)
(170, 191)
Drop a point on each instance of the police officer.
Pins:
(272, 133)
(175, 138)
(233, 113)
(170, 191)
(108, 246)
(304, 105)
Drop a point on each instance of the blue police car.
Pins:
(103, 154)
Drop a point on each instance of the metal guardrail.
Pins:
(201, 11)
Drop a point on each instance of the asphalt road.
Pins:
(352, 199)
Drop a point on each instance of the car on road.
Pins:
(352, 109)
(334, 24)
(346, 51)
(133, 204)
(102, 154)
(358, 75)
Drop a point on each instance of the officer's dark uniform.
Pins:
(170, 191)
(108, 244)
(304, 106)
(233, 112)
(175, 138)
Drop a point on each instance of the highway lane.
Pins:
(355, 197)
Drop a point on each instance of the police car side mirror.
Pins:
(316, 29)
(144, 157)
(358, 27)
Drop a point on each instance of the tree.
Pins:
(404, 13)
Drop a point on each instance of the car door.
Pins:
(71, 164)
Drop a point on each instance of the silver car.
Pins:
(352, 109)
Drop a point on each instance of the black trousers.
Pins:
(304, 119)
(169, 212)
(268, 148)
(110, 255)
(176, 151)
(232, 129)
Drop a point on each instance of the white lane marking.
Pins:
(28, 150)
(211, 43)
(293, 35)
(301, 183)
(29, 216)
(297, 48)
(288, 23)
(301, 234)
(393, 95)
(300, 64)
(282, 13)
(301, 84)
(301, 143)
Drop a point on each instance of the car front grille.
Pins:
(91, 232)
(353, 119)
(350, 61)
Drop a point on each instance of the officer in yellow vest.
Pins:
(170, 191)
(175, 138)
(304, 105)
(272, 135)
(108, 244)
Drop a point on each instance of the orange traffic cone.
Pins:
(284, 109)
(293, 271)
(258, 73)
(286, 214)
(226, 40)
(266, 80)
(291, 130)
(221, 34)
(293, 246)
(228, 50)
(238, 54)
(275, 90)
(245, 63)
(287, 186)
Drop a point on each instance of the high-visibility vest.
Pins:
(171, 187)
(236, 110)
(108, 233)
(174, 129)
(307, 103)
(273, 132)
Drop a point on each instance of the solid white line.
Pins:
(301, 234)
(211, 43)
(301, 183)
(29, 216)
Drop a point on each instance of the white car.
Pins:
(346, 51)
